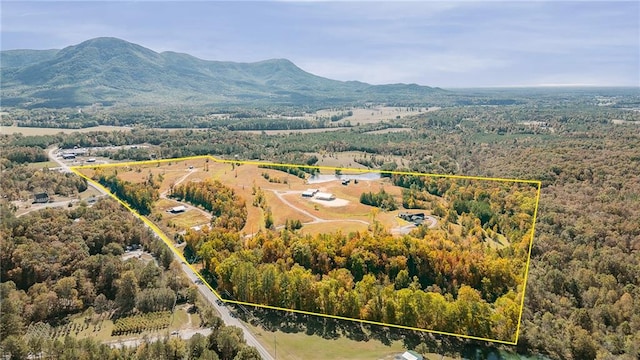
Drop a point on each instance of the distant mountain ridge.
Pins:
(111, 70)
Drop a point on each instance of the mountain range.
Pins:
(114, 71)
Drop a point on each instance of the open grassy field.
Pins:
(292, 131)
(372, 114)
(89, 193)
(188, 219)
(44, 164)
(346, 159)
(343, 226)
(293, 346)
(282, 212)
(34, 131)
(389, 130)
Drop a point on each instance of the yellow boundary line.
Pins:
(169, 243)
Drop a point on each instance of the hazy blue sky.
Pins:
(446, 44)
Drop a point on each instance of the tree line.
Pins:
(140, 196)
(381, 199)
(228, 208)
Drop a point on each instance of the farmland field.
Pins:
(34, 131)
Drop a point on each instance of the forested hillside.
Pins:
(113, 71)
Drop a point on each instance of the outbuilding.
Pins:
(411, 355)
(178, 209)
(40, 198)
(325, 196)
(309, 193)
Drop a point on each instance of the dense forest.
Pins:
(56, 263)
(373, 278)
(581, 300)
(21, 182)
(140, 196)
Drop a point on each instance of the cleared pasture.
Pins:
(370, 115)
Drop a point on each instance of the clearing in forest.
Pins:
(440, 253)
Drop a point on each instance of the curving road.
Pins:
(316, 219)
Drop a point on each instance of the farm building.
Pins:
(411, 217)
(411, 355)
(40, 198)
(178, 209)
(325, 196)
(309, 192)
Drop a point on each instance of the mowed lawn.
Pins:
(345, 227)
(189, 219)
(294, 346)
(43, 164)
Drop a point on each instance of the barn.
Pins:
(178, 209)
(309, 192)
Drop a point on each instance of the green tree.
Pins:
(16, 347)
(196, 346)
(248, 353)
(127, 289)
(582, 345)
(229, 341)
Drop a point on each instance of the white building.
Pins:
(178, 209)
(411, 355)
(325, 196)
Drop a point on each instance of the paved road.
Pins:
(225, 313)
